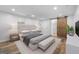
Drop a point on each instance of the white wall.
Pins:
(54, 27)
(49, 26)
(8, 24)
(45, 26)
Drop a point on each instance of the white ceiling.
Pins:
(40, 11)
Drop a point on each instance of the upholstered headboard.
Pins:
(27, 28)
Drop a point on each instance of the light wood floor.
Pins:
(9, 47)
(12, 49)
(61, 49)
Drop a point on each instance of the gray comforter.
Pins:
(27, 38)
(39, 38)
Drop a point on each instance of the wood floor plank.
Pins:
(10, 47)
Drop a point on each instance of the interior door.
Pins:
(62, 33)
(62, 27)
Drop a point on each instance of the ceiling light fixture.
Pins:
(32, 15)
(55, 8)
(13, 9)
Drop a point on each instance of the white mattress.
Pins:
(26, 50)
(33, 47)
(46, 43)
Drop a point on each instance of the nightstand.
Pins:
(14, 37)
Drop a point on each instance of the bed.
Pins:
(34, 42)
(27, 50)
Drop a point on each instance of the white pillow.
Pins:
(46, 43)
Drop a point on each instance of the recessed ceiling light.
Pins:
(13, 9)
(55, 8)
(32, 15)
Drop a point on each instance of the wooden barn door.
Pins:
(62, 27)
(62, 33)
